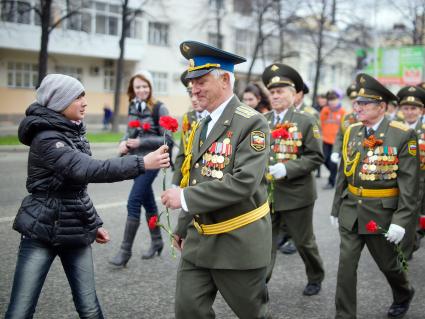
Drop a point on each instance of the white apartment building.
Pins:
(86, 46)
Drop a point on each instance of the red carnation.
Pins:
(422, 222)
(134, 124)
(153, 221)
(146, 126)
(280, 133)
(372, 226)
(169, 123)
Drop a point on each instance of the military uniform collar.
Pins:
(279, 117)
(215, 115)
(375, 127)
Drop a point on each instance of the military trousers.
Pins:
(299, 225)
(384, 255)
(245, 291)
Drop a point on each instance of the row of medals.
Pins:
(216, 158)
(379, 165)
(285, 150)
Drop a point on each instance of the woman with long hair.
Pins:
(147, 110)
(255, 97)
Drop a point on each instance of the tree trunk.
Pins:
(319, 58)
(45, 7)
(120, 67)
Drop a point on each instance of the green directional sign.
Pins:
(394, 65)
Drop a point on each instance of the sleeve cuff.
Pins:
(141, 164)
(183, 201)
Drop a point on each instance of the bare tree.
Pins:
(127, 17)
(413, 12)
(43, 10)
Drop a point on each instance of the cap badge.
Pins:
(274, 68)
(186, 48)
(191, 63)
(411, 89)
(361, 92)
(362, 80)
(275, 79)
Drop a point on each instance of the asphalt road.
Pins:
(145, 289)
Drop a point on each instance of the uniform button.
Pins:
(194, 182)
(359, 201)
(196, 165)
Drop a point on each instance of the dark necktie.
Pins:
(369, 132)
(203, 135)
(139, 106)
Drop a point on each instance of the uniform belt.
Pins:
(233, 223)
(364, 192)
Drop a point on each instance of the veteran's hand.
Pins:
(178, 242)
(395, 234)
(171, 198)
(335, 158)
(334, 221)
(157, 159)
(277, 170)
(102, 236)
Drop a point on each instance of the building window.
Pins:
(107, 17)
(109, 76)
(213, 39)
(243, 42)
(22, 75)
(16, 11)
(79, 22)
(71, 71)
(160, 82)
(243, 7)
(158, 33)
(135, 30)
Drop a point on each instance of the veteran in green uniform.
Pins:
(348, 119)
(295, 154)
(228, 244)
(412, 102)
(190, 120)
(378, 182)
(301, 106)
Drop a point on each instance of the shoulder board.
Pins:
(245, 111)
(310, 110)
(356, 124)
(399, 125)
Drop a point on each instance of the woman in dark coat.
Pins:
(144, 108)
(58, 218)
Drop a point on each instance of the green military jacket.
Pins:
(394, 164)
(310, 110)
(188, 122)
(346, 121)
(240, 187)
(298, 188)
(420, 132)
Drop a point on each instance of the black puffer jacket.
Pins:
(58, 210)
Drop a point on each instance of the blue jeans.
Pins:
(34, 261)
(141, 194)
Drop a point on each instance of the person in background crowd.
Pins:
(295, 153)
(107, 117)
(58, 218)
(320, 102)
(145, 109)
(302, 107)
(330, 117)
(190, 119)
(254, 96)
(348, 119)
(412, 102)
(372, 193)
(393, 113)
